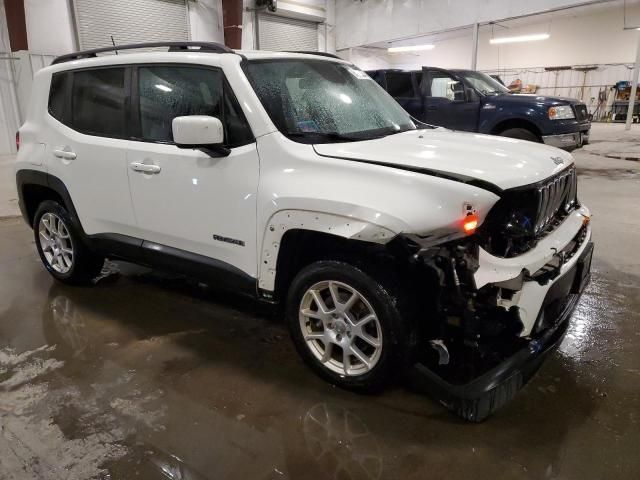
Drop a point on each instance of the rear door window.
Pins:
(98, 102)
(400, 84)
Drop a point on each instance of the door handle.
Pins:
(64, 154)
(144, 168)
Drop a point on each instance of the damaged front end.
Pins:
(493, 315)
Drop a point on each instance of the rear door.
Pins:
(193, 203)
(446, 101)
(401, 86)
(86, 145)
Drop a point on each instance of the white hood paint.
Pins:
(505, 162)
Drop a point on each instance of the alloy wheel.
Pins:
(55, 243)
(340, 328)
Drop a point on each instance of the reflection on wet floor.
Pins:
(150, 376)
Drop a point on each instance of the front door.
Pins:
(184, 198)
(446, 102)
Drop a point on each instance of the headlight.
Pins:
(562, 112)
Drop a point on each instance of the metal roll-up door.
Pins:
(129, 21)
(278, 33)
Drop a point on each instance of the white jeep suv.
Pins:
(294, 178)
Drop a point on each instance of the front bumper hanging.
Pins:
(475, 398)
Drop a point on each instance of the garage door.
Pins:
(130, 21)
(281, 33)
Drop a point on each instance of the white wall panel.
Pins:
(205, 20)
(360, 23)
(50, 27)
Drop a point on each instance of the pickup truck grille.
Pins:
(581, 112)
(526, 214)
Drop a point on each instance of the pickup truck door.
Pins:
(402, 86)
(447, 101)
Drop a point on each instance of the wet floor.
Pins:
(153, 377)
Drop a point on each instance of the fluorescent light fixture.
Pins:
(164, 88)
(522, 38)
(410, 48)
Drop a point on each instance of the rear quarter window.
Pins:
(58, 96)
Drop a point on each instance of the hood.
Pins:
(500, 161)
(528, 98)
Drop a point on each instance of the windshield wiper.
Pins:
(324, 135)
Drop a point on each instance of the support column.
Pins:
(474, 47)
(16, 24)
(232, 21)
(634, 88)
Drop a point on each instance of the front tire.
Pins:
(348, 325)
(521, 134)
(60, 246)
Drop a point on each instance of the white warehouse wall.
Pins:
(50, 29)
(581, 40)
(383, 20)
(205, 21)
(574, 40)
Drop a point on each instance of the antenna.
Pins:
(114, 45)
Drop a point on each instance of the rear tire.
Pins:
(367, 319)
(60, 246)
(521, 134)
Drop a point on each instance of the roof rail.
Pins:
(209, 47)
(322, 54)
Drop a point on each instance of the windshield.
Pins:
(485, 84)
(318, 101)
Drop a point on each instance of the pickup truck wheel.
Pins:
(520, 133)
(347, 326)
(60, 247)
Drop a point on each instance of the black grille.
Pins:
(555, 196)
(581, 112)
(525, 214)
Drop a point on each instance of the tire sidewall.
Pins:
(521, 134)
(385, 305)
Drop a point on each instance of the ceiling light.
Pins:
(522, 38)
(410, 48)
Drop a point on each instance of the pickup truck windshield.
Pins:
(485, 84)
(318, 101)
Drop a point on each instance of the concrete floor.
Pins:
(148, 376)
(8, 193)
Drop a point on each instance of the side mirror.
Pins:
(200, 131)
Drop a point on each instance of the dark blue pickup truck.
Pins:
(475, 102)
